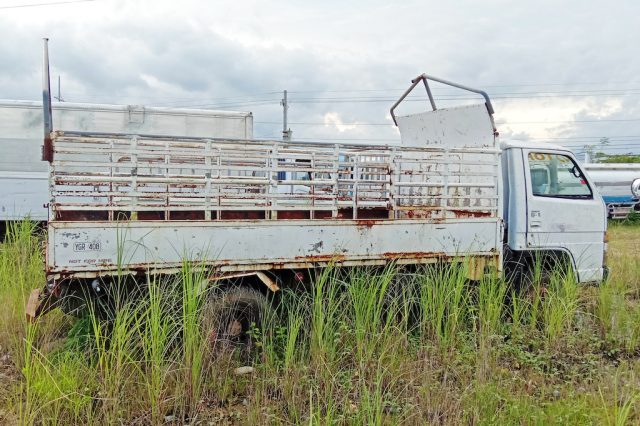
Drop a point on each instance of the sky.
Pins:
(559, 71)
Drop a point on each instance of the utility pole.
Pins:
(286, 132)
(59, 97)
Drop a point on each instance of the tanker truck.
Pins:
(619, 185)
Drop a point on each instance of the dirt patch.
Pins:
(9, 377)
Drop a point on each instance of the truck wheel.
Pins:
(229, 317)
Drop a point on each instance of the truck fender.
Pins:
(526, 257)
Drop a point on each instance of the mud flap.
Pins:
(38, 304)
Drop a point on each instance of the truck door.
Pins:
(564, 212)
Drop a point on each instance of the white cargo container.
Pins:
(24, 190)
(136, 204)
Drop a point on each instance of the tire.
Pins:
(229, 317)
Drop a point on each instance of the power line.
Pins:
(604, 120)
(592, 137)
(175, 99)
(453, 98)
(390, 123)
(606, 147)
(449, 92)
(615, 142)
(457, 94)
(241, 98)
(232, 105)
(19, 6)
(413, 98)
(506, 123)
(436, 89)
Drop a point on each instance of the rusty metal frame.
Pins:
(47, 147)
(425, 79)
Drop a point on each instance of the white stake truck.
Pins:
(135, 205)
(24, 177)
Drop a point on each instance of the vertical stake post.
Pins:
(47, 148)
(286, 132)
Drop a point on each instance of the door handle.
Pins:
(536, 224)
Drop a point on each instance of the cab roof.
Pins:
(531, 145)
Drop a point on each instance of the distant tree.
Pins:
(621, 158)
(597, 154)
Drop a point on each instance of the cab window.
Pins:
(557, 175)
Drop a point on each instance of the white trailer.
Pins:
(136, 205)
(24, 189)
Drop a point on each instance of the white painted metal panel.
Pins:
(24, 195)
(463, 126)
(91, 248)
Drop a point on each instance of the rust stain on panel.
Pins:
(413, 255)
(322, 258)
(467, 214)
(366, 223)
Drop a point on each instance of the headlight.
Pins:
(635, 188)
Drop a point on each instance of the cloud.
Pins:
(343, 62)
(332, 119)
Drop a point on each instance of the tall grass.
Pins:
(192, 279)
(372, 313)
(491, 293)
(560, 303)
(361, 346)
(113, 351)
(617, 309)
(21, 270)
(158, 333)
(443, 303)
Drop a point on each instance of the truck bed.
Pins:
(131, 203)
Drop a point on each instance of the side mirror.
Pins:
(635, 188)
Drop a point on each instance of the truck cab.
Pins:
(552, 206)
